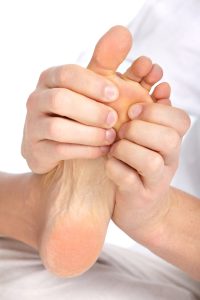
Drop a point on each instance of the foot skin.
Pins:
(78, 197)
(79, 204)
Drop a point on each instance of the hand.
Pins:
(64, 122)
(63, 119)
(142, 165)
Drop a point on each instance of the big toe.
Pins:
(111, 50)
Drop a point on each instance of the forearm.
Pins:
(177, 239)
(18, 207)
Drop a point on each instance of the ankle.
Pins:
(19, 207)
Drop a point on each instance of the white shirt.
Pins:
(168, 31)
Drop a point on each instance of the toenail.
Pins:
(135, 111)
(110, 135)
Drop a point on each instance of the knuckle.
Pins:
(33, 160)
(31, 101)
(35, 166)
(186, 122)
(53, 128)
(55, 99)
(63, 74)
(154, 163)
(23, 150)
(66, 73)
(172, 140)
(128, 180)
(61, 150)
(43, 76)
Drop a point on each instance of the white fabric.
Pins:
(169, 32)
(119, 274)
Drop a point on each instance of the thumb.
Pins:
(111, 50)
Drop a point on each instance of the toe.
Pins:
(152, 77)
(139, 69)
(161, 93)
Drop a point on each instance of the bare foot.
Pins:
(78, 197)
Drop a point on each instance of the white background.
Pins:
(37, 34)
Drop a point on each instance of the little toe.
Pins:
(161, 93)
(152, 77)
(139, 69)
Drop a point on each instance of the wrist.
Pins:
(152, 225)
(176, 238)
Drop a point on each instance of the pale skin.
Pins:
(145, 158)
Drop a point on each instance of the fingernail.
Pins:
(135, 111)
(111, 118)
(111, 93)
(110, 135)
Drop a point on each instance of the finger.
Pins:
(139, 69)
(67, 131)
(79, 80)
(47, 154)
(159, 138)
(147, 163)
(111, 50)
(123, 176)
(69, 104)
(161, 114)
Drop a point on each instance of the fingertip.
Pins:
(111, 118)
(135, 110)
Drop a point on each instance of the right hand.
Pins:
(63, 119)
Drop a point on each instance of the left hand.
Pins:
(142, 164)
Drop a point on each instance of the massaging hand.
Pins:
(63, 120)
(142, 164)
